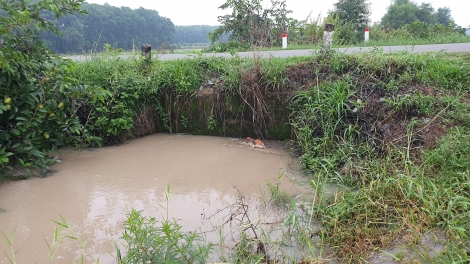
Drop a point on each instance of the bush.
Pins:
(227, 47)
(38, 108)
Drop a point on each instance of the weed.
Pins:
(63, 231)
(278, 197)
(211, 123)
(184, 121)
(12, 255)
(147, 240)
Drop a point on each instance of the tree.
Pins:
(444, 16)
(426, 14)
(356, 12)
(250, 24)
(402, 12)
(39, 98)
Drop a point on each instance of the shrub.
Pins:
(38, 108)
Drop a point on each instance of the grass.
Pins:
(396, 188)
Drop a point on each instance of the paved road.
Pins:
(459, 47)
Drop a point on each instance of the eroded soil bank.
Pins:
(93, 190)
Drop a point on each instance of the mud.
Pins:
(429, 247)
(93, 190)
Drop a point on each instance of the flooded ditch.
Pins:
(94, 189)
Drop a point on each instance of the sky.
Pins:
(205, 12)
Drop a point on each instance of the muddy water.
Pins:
(93, 190)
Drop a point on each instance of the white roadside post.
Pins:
(366, 35)
(328, 36)
(284, 40)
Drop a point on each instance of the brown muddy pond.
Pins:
(93, 191)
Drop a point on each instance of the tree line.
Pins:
(121, 27)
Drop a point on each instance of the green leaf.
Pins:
(15, 132)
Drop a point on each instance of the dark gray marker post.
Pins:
(147, 51)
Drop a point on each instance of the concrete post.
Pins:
(328, 36)
(147, 51)
(366, 35)
(284, 40)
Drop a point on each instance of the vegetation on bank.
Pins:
(392, 129)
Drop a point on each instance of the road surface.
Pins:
(457, 47)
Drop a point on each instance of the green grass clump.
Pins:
(147, 241)
(318, 121)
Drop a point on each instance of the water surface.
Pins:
(93, 190)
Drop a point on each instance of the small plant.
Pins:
(12, 255)
(212, 123)
(278, 197)
(184, 121)
(148, 240)
(245, 251)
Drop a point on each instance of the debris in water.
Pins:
(253, 143)
(259, 142)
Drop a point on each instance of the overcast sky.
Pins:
(205, 12)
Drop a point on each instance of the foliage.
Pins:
(39, 111)
(356, 12)
(121, 27)
(250, 24)
(389, 191)
(317, 120)
(416, 33)
(310, 31)
(132, 97)
(451, 159)
(147, 240)
(402, 12)
(277, 197)
(444, 16)
(229, 46)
